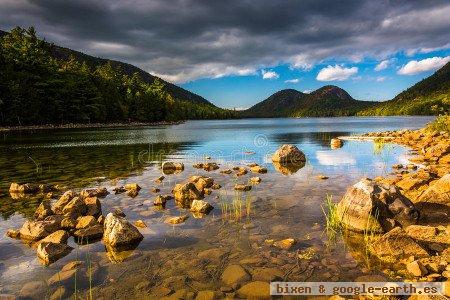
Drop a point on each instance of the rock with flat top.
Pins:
(86, 221)
(57, 237)
(94, 192)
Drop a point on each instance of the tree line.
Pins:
(37, 88)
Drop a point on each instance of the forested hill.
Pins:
(431, 96)
(45, 84)
(328, 101)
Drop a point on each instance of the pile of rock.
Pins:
(169, 167)
(209, 166)
(73, 214)
(195, 188)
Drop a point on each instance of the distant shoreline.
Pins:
(85, 126)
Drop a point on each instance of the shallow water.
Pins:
(282, 206)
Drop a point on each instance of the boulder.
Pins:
(132, 187)
(51, 252)
(336, 143)
(85, 222)
(94, 192)
(118, 232)
(57, 237)
(201, 182)
(37, 230)
(428, 234)
(289, 154)
(258, 169)
(184, 193)
(23, 188)
(255, 180)
(68, 223)
(369, 206)
(13, 233)
(169, 167)
(93, 206)
(43, 211)
(75, 207)
(200, 206)
(416, 268)
(438, 192)
(89, 234)
(396, 244)
(62, 201)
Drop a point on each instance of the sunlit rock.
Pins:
(95, 192)
(200, 206)
(63, 201)
(44, 210)
(242, 187)
(119, 232)
(336, 143)
(368, 206)
(438, 192)
(176, 220)
(37, 230)
(169, 167)
(184, 193)
(289, 154)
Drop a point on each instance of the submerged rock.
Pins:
(51, 252)
(254, 290)
(235, 275)
(258, 169)
(176, 220)
(119, 232)
(242, 187)
(285, 244)
(200, 206)
(368, 206)
(94, 192)
(169, 167)
(288, 154)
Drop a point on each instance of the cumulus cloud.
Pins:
(336, 73)
(295, 80)
(382, 65)
(381, 78)
(210, 39)
(269, 74)
(429, 64)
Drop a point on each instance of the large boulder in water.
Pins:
(118, 232)
(369, 206)
(438, 192)
(289, 154)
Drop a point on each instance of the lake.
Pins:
(191, 256)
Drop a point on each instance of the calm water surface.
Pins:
(283, 205)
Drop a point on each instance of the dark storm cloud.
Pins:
(188, 39)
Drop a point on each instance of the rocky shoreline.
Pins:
(86, 126)
(406, 215)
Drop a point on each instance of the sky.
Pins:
(236, 53)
